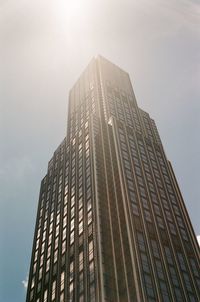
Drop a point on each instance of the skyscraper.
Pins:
(111, 224)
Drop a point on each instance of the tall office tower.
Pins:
(111, 225)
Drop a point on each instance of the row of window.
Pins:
(143, 197)
(79, 117)
(45, 228)
(124, 111)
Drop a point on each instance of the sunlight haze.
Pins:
(44, 47)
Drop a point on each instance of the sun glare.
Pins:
(70, 13)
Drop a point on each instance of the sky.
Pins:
(44, 47)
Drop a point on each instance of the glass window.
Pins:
(81, 282)
(72, 237)
(53, 294)
(91, 271)
(89, 217)
(45, 295)
(90, 250)
(80, 260)
(80, 229)
(61, 297)
(62, 281)
(71, 291)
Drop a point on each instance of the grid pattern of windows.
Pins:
(110, 216)
(146, 268)
(121, 106)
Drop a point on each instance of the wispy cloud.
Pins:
(25, 282)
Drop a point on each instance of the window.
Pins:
(81, 282)
(33, 282)
(80, 260)
(91, 271)
(64, 233)
(174, 276)
(72, 212)
(92, 292)
(148, 285)
(72, 237)
(55, 256)
(89, 204)
(80, 228)
(40, 273)
(80, 214)
(56, 243)
(194, 267)
(145, 264)
(172, 228)
(45, 295)
(169, 216)
(187, 281)
(155, 248)
(89, 217)
(48, 265)
(62, 281)
(72, 225)
(53, 294)
(141, 242)
(168, 255)
(184, 234)
(147, 215)
(71, 271)
(61, 297)
(64, 221)
(64, 246)
(71, 290)
(157, 209)
(159, 270)
(178, 295)
(160, 222)
(90, 250)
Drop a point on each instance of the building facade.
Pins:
(111, 224)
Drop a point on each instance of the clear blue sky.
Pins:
(44, 47)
